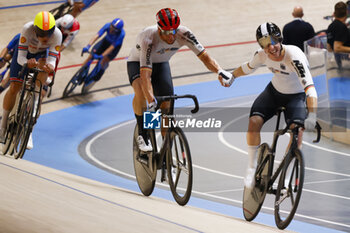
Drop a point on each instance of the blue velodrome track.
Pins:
(57, 136)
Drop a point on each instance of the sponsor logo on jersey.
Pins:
(299, 68)
(164, 50)
(23, 39)
(191, 38)
(148, 54)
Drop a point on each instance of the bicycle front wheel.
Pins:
(289, 189)
(25, 125)
(145, 167)
(11, 127)
(253, 198)
(75, 80)
(179, 167)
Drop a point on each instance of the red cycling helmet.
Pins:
(168, 19)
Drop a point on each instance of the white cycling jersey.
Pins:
(150, 48)
(68, 33)
(29, 43)
(291, 75)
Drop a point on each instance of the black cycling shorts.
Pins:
(268, 102)
(161, 79)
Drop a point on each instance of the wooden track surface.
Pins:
(38, 199)
(213, 22)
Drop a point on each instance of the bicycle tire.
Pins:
(9, 136)
(145, 170)
(86, 87)
(77, 79)
(253, 198)
(25, 125)
(293, 172)
(179, 163)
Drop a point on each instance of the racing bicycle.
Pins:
(61, 10)
(24, 114)
(291, 177)
(173, 157)
(82, 76)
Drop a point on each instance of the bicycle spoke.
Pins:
(289, 190)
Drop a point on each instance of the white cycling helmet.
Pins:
(67, 21)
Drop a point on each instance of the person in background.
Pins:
(297, 31)
(6, 56)
(338, 35)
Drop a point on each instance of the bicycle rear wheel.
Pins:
(87, 86)
(253, 198)
(289, 189)
(77, 79)
(145, 167)
(25, 125)
(179, 167)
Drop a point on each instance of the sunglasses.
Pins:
(168, 32)
(265, 41)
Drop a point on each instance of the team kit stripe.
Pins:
(23, 47)
(308, 87)
(145, 68)
(53, 54)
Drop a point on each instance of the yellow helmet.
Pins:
(44, 24)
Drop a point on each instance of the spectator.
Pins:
(297, 31)
(338, 35)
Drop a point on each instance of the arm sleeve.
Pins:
(13, 42)
(54, 47)
(301, 67)
(257, 60)
(188, 38)
(23, 47)
(69, 38)
(120, 39)
(103, 30)
(146, 53)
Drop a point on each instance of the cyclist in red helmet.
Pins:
(148, 64)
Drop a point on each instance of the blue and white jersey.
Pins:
(113, 39)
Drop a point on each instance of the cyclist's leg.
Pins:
(264, 107)
(139, 104)
(162, 84)
(296, 113)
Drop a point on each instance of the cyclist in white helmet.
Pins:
(69, 27)
(291, 87)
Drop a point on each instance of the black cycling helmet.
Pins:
(268, 33)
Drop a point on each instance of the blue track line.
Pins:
(31, 4)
